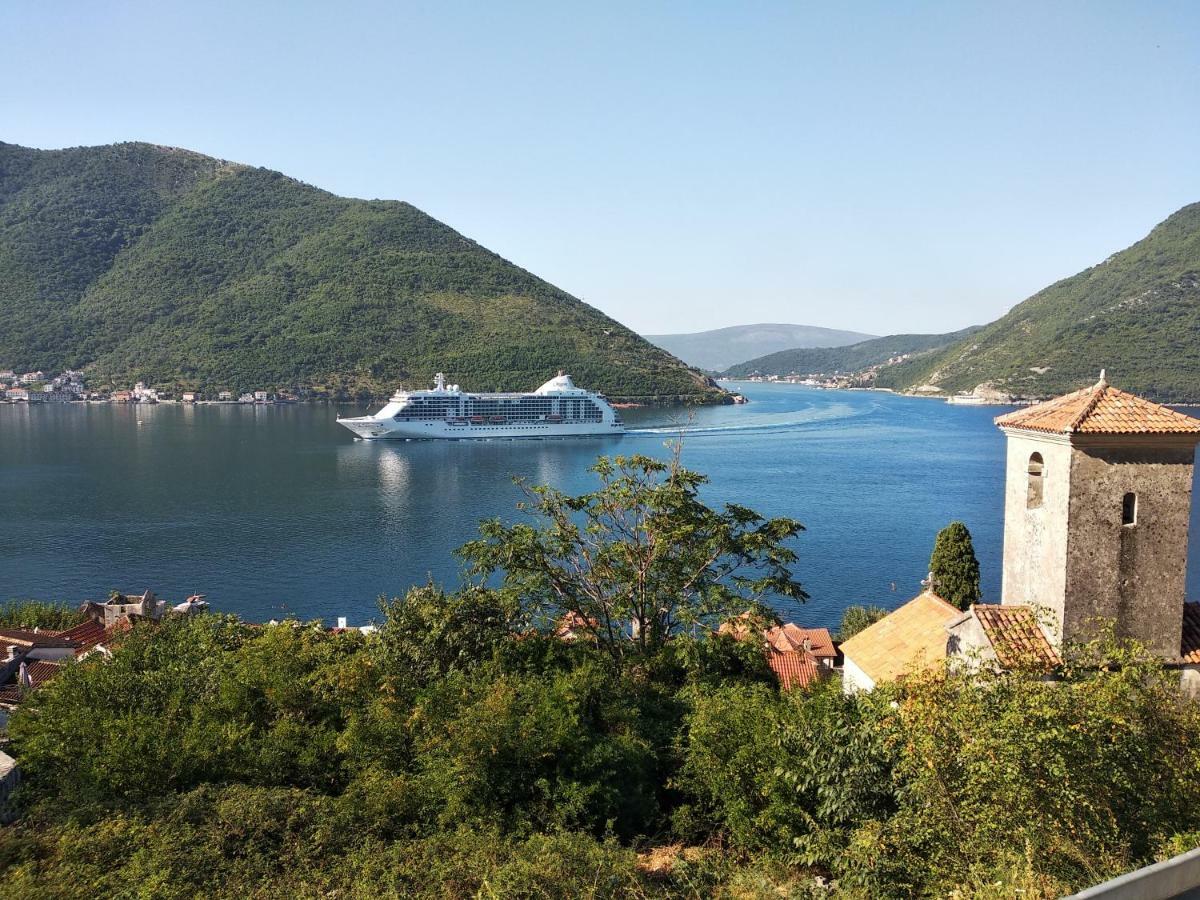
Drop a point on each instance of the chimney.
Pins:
(806, 643)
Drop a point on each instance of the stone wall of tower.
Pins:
(1131, 574)
(1035, 540)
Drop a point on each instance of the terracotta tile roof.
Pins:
(35, 639)
(86, 635)
(1015, 635)
(1100, 409)
(795, 668)
(791, 637)
(1189, 652)
(39, 672)
(912, 636)
(573, 626)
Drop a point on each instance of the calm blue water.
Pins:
(277, 510)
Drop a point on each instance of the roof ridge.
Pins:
(1098, 393)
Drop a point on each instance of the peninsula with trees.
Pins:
(140, 263)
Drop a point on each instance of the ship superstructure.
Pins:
(556, 409)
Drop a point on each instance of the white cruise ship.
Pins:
(556, 409)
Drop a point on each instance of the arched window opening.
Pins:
(1129, 509)
(1033, 499)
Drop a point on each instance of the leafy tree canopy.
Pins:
(953, 566)
(640, 557)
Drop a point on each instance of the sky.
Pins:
(880, 167)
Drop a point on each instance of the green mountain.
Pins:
(721, 348)
(1137, 314)
(844, 360)
(140, 262)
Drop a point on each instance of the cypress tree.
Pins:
(954, 568)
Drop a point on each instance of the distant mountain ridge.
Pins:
(720, 348)
(1136, 314)
(141, 262)
(848, 359)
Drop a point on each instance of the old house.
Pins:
(798, 656)
(908, 639)
(1097, 503)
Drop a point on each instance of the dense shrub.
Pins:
(39, 614)
(460, 751)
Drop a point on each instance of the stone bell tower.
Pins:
(1097, 501)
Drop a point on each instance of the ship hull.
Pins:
(372, 429)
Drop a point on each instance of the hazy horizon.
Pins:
(870, 169)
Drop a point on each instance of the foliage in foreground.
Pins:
(640, 559)
(461, 752)
(230, 760)
(28, 614)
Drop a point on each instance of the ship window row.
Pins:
(531, 408)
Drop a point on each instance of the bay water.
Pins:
(276, 511)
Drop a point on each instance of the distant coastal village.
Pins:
(865, 381)
(832, 380)
(71, 386)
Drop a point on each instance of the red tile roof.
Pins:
(794, 668)
(1015, 635)
(25, 638)
(1100, 409)
(1189, 650)
(791, 637)
(86, 635)
(39, 672)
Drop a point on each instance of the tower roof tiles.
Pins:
(1100, 409)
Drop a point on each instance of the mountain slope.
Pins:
(839, 360)
(151, 263)
(1137, 314)
(721, 348)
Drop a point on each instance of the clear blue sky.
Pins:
(874, 166)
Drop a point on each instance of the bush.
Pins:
(29, 614)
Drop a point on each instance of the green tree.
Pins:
(953, 566)
(641, 557)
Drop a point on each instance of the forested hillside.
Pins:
(159, 264)
(1137, 314)
(852, 358)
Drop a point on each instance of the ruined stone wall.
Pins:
(1133, 574)
(1035, 540)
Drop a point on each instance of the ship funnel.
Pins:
(439, 382)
